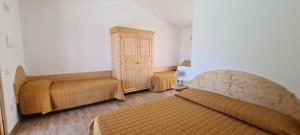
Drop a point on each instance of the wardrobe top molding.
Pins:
(120, 29)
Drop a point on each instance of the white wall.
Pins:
(177, 12)
(62, 36)
(256, 36)
(185, 44)
(10, 57)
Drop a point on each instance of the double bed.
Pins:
(219, 102)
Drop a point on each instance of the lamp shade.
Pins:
(186, 63)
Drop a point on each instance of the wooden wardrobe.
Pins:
(132, 52)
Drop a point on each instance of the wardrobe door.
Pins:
(116, 55)
(129, 61)
(144, 62)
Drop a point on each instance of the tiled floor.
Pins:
(76, 121)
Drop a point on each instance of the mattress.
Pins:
(194, 112)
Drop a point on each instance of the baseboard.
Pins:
(16, 127)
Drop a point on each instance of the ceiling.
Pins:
(177, 12)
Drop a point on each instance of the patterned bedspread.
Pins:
(163, 80)
(34, 97)
(194, 112)
(43, 96)
(76, 93)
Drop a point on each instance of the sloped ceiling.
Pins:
(177, 12)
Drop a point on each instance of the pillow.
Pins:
(255, 115)
(34, 97)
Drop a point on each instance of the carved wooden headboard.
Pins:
(250, 88)
(20, 79)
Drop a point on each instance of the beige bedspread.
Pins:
(194, 112)
(43, 96)
(34, 97)
(70, 94)
(163, 80)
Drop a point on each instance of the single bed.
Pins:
(220, 102)
(162, 81)
(44, 96)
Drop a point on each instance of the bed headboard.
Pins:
(250, 88)
(20, 79)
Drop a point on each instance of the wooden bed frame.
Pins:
(250, 88)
